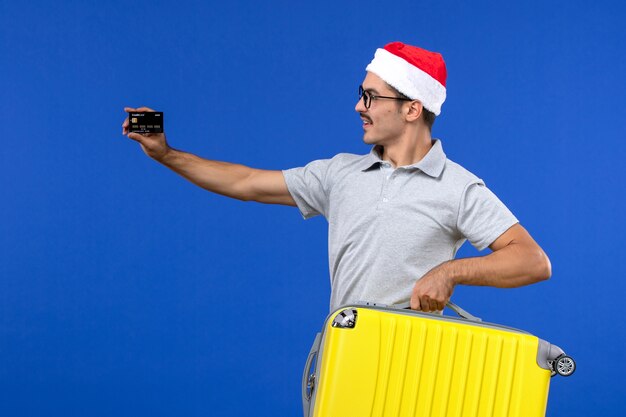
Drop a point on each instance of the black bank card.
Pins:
(146, 122)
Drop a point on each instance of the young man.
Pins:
(398, 215)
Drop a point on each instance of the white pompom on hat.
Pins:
(415, 72)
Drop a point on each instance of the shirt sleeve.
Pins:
(482, 216)
(308, 187)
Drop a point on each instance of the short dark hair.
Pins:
(429, 117)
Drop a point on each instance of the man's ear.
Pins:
(415, 110)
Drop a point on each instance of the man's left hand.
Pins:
(433, 291)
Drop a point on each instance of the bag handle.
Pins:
(308, 379)
(458, 310)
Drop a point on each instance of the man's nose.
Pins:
(360, 106)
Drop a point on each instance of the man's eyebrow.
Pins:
(371, 90)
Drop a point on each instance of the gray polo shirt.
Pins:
(388, 227)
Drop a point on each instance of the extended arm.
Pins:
(516, 260)
(232, 180)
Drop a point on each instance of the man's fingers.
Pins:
(425, 303)
(431, 304)
(436, 305)
(136, 137)
(125, 123)
(133, 110)
(415, 303)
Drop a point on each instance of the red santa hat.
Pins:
(415, 72)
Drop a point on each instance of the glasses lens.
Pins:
(365, 96)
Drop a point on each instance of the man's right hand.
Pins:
(232, 180)
(153, 144)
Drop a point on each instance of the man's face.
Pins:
(383, 122)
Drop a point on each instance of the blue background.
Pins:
(125, 290)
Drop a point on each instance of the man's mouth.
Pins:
(366, 121)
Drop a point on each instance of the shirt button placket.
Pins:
(386, 168)
(390, 190)
(388, 173)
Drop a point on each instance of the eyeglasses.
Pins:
(368, 97)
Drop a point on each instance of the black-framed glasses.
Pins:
(368, 97)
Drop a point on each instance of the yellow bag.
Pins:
(378, 361)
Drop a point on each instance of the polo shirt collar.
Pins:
(432, 163)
